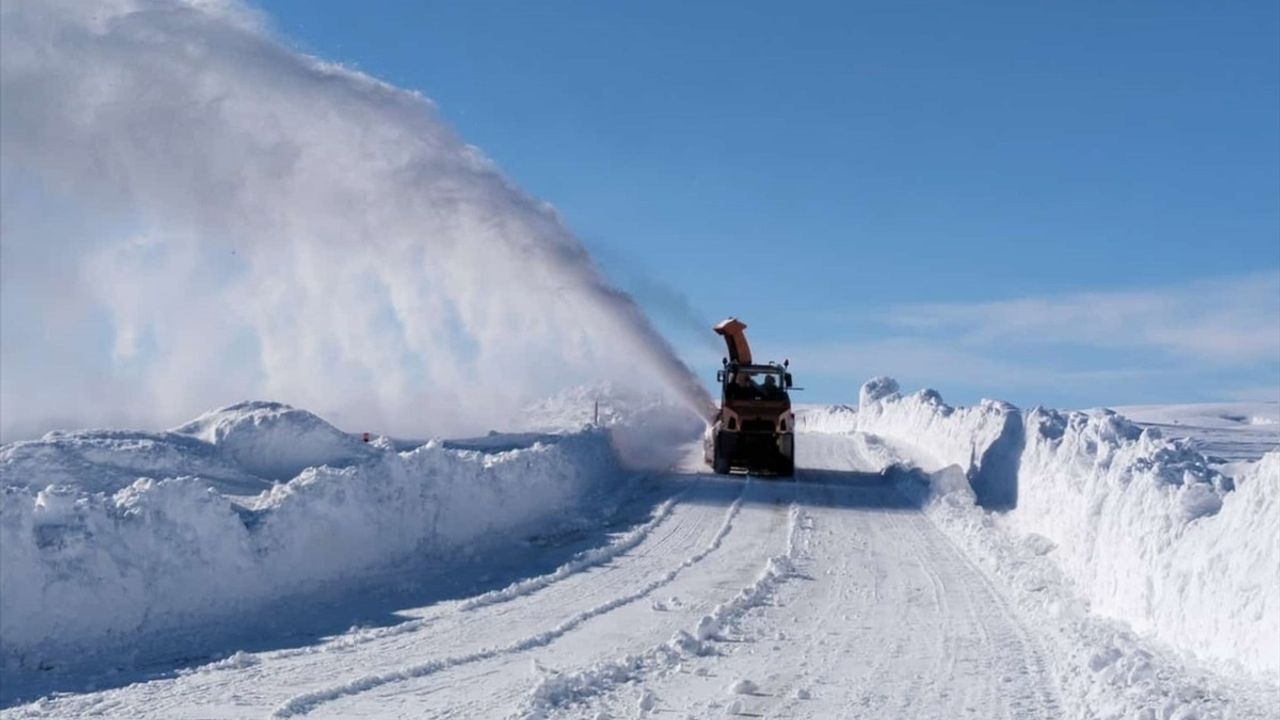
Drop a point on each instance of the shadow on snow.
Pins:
(381, 600)
(821, 488)
(376, 600)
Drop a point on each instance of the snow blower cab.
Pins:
(754, 429)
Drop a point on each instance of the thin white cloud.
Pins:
(938, 362)
(1211, 338)
(1233, 320)
(1259, 393)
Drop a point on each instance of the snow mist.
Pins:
(195, 214)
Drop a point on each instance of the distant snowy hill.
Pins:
(1230, 431)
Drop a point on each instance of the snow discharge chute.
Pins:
(195, 214)
(735, 338)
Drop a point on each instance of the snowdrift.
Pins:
(108, 535)
(1143, 527)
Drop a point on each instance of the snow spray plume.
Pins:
(194, 214)
(663, 300)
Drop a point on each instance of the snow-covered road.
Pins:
(830, 596)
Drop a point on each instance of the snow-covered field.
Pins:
(928, 561)
(1222, 431)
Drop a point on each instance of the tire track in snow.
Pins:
(559, 689)
(1024, 688)
(306, 702)
(583, 561)
(1043, 696)
(691, 525)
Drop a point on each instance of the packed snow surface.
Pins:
(928, 561)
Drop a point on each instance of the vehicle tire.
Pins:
(721, 463)
(724, 448)
(785, 465)
(786, 459)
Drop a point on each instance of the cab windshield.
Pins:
(752, 384)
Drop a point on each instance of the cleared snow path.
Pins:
(880, 617)
(832, 596)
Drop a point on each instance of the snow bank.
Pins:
(984, 440)
(87, 563)
(275, 441)
(1225, 574)
(825, 418)
(1143, 527)
(110, 460)
(649, 427)
(238, 450)
(1104, 669)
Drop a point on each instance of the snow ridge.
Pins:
(305, 702)
(557, 689)
(776, 569)
(1105, 669)
(88, 572)
(1143, 527)
(275, 441)
(833, 419)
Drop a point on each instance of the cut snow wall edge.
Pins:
(84, 569)
(1145, 529)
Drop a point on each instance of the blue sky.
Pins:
(1069, 204)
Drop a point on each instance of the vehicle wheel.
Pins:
(720, 463)
(725, 444)
(786, 466)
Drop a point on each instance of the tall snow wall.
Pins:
(89, 560)
(1146, 530)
